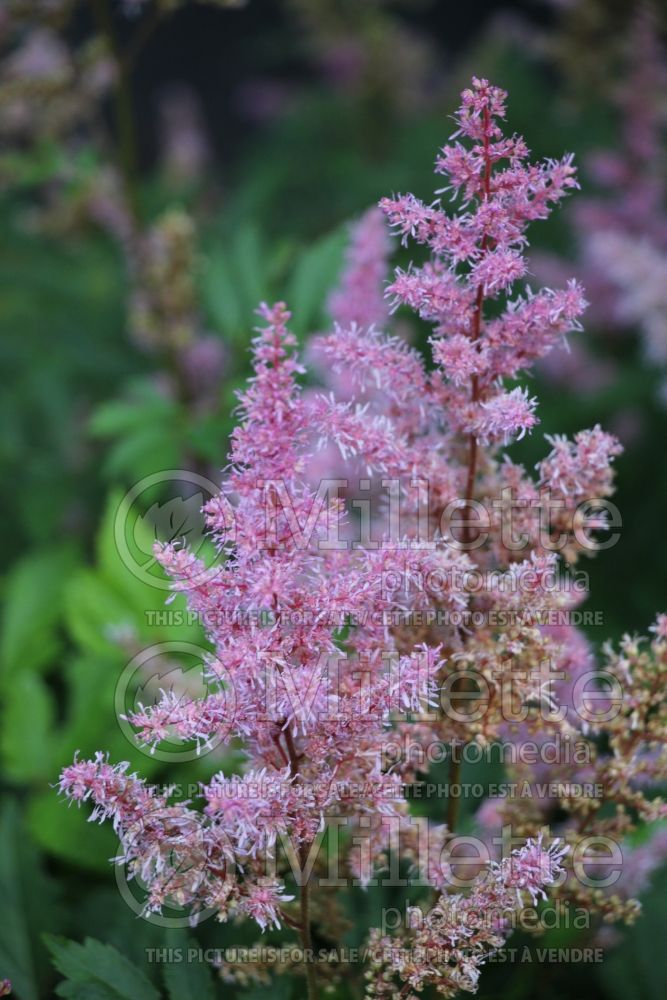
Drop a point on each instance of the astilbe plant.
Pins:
(359, 296)
(434, 628)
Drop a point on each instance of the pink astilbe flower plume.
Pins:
(359, 296)
(477, 255)
(332, 635)
(310, 734)
(452, 942)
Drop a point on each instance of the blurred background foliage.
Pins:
(164, 167)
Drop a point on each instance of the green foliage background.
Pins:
(82, 421)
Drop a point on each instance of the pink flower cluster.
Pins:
(312, 690)
(358, 297)
(451, 943)
(477, 255)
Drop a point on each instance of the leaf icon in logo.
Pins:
(178, 518)
(163, 674)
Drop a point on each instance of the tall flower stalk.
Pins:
(428, 624)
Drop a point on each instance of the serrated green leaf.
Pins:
(85, 991)
(100, 967)
(186, 980)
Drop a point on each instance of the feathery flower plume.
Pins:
(324, 648)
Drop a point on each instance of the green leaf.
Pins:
(93, 610)
(235, 281)
(85, 991)
(28, 906)
(103, 602)
(222, 296)
(33, 605)
(100, 968)
(138, 593)
(314, 276)
(185, 980)
(64, 831)
(250, 264)
(26, 737)
(147, 449)
(139, 597)
(90, 721)
(122, 415)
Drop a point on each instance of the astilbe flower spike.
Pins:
(359, 296)
(449, 946)
(420, 603)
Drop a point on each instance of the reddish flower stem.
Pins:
(304, 895)
(455, 766)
